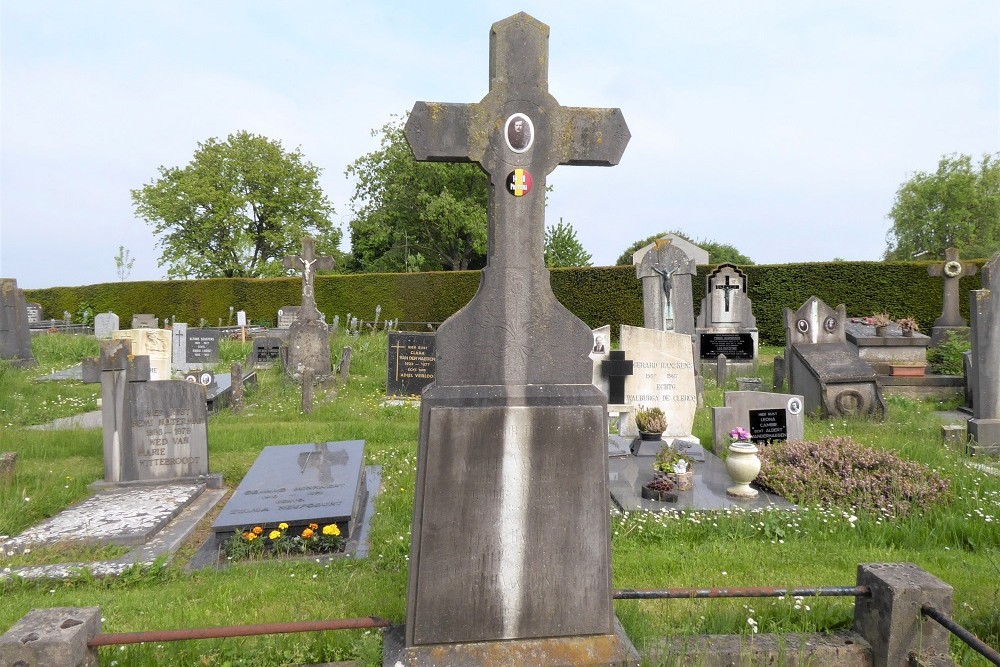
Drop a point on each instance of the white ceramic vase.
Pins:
(742, 464)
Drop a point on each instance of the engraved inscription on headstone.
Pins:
(768, 416)
(168, 431)
(733, 345)
(202, 347)
(410, 363)
(34, 311)
(767, 426)
(287, 316)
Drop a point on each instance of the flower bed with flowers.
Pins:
(840, 472)
(257, 543)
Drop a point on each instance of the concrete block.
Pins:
(50, 637)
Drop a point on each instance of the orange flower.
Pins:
(307, 533)
(314, 526)
(247, 535)
(251, 537)
(257, 530)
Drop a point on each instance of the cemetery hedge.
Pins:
(598, 295)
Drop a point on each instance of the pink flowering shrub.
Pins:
(838, 471)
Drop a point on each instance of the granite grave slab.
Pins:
(15, 334)
(410, 363)
(769, 417)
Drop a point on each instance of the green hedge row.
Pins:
(598, 295)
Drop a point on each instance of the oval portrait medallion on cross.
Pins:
(519, 132)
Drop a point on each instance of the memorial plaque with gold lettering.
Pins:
(298, 485)
(409, 363)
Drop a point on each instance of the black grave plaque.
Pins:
(267, 349)
(298, 485)
(767, 426)
(410, 363)
(202, 346)
(733, 345)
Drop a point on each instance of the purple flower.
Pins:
(739, 434)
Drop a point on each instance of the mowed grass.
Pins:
(813, 546)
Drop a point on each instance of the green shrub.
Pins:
(946, 358)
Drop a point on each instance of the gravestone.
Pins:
(984, 427)
(299, 484)
(512, 432)
(616, 368)
(665, 272)
(767, 416)
(178, 346)
(267, 351)
(15, 336)
(881, 352)
(663, 377)
(726, 323)
(153, 343)
(600, 352)
(824, 368)
(202, 348)
(409, 363)
(697, 253)
(153, 431)
(951, 270)
(33, 312)
(145, 321)
(287, 316)
(104, 324)
(308, 335)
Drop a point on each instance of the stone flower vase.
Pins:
(742, 464)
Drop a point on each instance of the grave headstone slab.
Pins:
(178, 346)
(600, 352)
(15, 335)
(697, 253)
(104, 324)
(267, 351)
(169, 435)
(512, 432)
(409, 363)
(287, 316)
(153, 343)
(984, 427)
(665, 272)
(769, 417)
(34, 312)
(298, 485)
(726, 324)
(202, 348)
(663, 376)
(145, 321)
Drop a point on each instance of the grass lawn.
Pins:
(814, 546)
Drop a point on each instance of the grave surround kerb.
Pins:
(512, 459)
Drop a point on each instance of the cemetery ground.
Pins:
(815, 545)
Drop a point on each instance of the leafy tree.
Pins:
(718, 253)
(123, 263)
(411, 215)
(562, 247)
(236, 209)
(957, 206)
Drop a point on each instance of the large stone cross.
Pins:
(953, 270)
(517, 133)
(308, 263)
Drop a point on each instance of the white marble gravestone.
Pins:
(726, 323)
(104, 324)
(154, 343)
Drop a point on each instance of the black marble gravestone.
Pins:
(409, 363)
(512, 458)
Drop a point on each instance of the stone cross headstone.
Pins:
(617, 368)
(308, 335)
(984, 427)
(667, 304)
(952, 270)
(178, 346)
(726, 323)
(104, 324)
(15, 335)
(512, 432)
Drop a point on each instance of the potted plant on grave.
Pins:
(660, 489)
(881, 323)
(651, 423)
(909, 325)
(676, 467)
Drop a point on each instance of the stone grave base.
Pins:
(984, 436)
(210, 481)
(733, 368)
(938, 387)
(613, 650)
(154, 519)
(846, 648)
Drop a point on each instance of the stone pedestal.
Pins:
(56, 636)
(308, 347)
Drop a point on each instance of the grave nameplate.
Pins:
(34, 311)
(202, 347)
(169, 433)
(767, 426)
(733, 345)
(287, 316)
(267, 350)
(298, 485)
(410, 363)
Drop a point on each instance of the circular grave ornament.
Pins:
(519, 182)
(830, 324)
(794, 406)
(802, 325)
(519, 132)
(952, 268)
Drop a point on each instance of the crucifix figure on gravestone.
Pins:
(953, 270)
(512, 432)
(308, 263)
(668, 311)
(727, 289)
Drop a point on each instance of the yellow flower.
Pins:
(283, 526)
(247, 535)
(257, 530)
(274, 534)
(251, 537)
(307, 533)
(331, 529)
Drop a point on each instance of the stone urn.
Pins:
(742, 464)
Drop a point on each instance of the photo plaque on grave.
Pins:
(410, 363)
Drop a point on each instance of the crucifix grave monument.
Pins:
(665, 271)
(726, 323)
(308, 336)
(509, 555)
(952, 270)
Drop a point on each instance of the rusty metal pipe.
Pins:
(969, 638)
(237, 631)
(769, 592)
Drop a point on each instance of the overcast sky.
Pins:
(782, 128)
